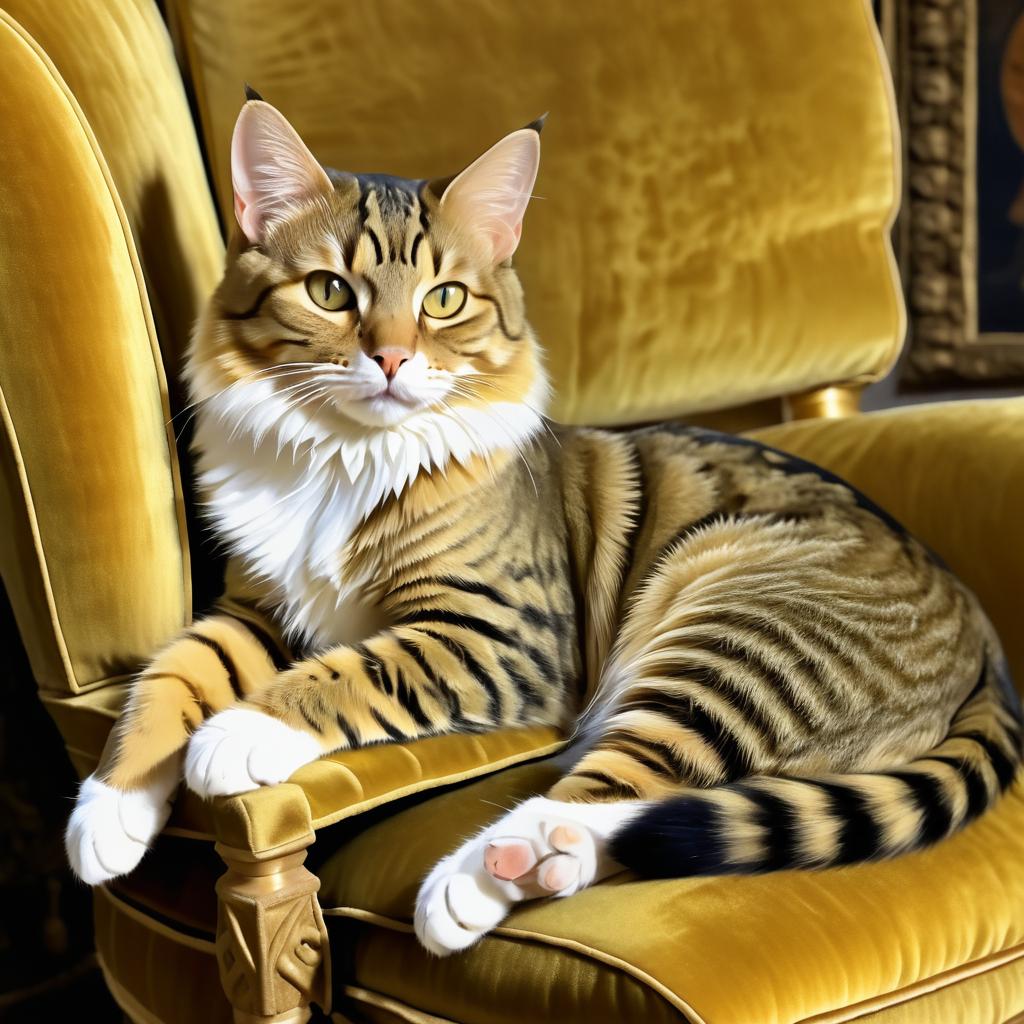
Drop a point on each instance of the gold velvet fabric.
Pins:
(773, 949)
(94, 555)
(715, 189)
(116, 58)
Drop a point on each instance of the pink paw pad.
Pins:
(509, 859)
(565, 837)
(558, 872)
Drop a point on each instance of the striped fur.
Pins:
(746, 648)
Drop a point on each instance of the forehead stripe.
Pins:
(378, 251)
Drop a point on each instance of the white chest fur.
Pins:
(286, 489)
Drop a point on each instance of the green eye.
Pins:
(445, 300)
(329, 291)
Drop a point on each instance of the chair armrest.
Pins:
(338, 786)
(953, 474)
(353, 781)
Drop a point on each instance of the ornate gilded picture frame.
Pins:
(959, 72)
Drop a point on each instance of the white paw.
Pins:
(110, 829)
(542, 848)
(238, 750)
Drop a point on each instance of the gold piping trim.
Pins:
(907, 994)
(33, 525)
(179, 503)
(200, 945)
(393, 1006)
(895, 280)
(61, 699)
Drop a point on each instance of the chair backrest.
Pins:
(101, 165)
(718, 178)
(717, 184)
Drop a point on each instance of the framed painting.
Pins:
(959, 72)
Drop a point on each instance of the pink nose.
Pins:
(390, 360)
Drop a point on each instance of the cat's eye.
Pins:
(444, 301)
(329, 291)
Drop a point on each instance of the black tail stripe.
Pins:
(860, 837)
(781, 836)
(222, 657)
(974, 783)
(1004, 767)
(930, 799)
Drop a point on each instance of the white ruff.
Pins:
(286, 488)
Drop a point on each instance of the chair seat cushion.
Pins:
(932, 936)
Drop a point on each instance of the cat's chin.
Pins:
(380, 411)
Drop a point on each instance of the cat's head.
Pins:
(369, 297)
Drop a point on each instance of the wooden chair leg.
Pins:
(272, 945)
(824, 403)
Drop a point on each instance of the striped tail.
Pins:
(768, 824)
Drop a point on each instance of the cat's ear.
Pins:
(271, 169)
(489, 197)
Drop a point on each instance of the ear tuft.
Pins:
(252, 94)
(536, 125)
(490, 196)
(272, 171)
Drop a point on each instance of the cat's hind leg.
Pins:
(543, 847)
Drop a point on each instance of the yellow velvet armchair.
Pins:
(718, 183)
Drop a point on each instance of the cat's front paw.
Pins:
(237, 750)
(110, 829)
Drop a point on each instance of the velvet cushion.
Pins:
(775, 949)
(716, 187)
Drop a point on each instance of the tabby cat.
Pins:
(761, 669)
